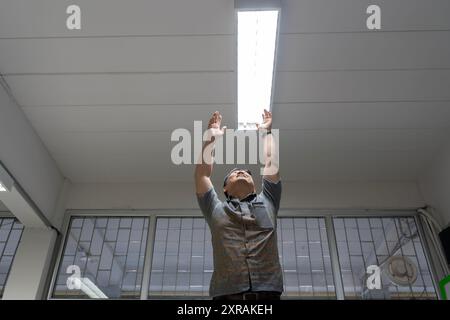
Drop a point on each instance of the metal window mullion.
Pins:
(164, 260)
(309, 254)
(426, 250)
(178, 257)
(349, 256)
(334, 258)
(282, 261)
(323, 259)
(190, 260)
(146, 272)
(204, 259)
(295, 252)
(139, 254)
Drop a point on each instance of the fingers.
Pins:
(211, 121)
(216, 117)
(215, 120)
(267, 113)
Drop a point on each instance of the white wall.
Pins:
(435, 184)
(383, 195)
(31, 265)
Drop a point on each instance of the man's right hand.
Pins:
(214, 129)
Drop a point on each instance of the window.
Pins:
(183, 262)
(10, 234)
(391, 243)
(305, 258)
(182, 258)
(109, 253)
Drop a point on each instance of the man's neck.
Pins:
(243, 195)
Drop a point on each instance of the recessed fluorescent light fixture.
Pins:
(257, 33)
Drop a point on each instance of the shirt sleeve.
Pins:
(272, 191)
(207, 202)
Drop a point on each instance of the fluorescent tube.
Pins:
(257, 35)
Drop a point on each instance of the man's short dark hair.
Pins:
(225, 180)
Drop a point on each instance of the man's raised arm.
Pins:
(271, 167)
(203, 168)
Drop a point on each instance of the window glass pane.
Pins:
(10, 234)
(109, 254)
(182, 258)
(391, 243)
(305, 258)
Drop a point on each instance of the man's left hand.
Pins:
(267, 121)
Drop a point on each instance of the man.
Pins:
(243, 228)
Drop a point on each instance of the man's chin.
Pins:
(242, 181)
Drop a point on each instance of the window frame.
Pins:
(327, 214)
(9, 215)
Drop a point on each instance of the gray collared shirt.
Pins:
(244, 241)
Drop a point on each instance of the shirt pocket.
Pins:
(262, 215)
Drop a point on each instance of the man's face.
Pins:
(239, 181)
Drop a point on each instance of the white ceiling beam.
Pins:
(19, 203)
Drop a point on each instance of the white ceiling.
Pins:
(351, 104)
